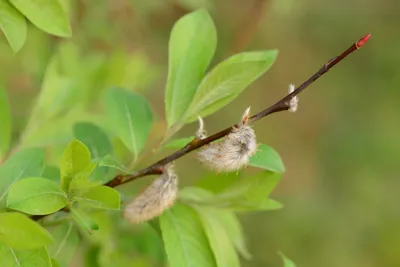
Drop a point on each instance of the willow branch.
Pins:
(281, 105)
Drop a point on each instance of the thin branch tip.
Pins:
(362, 41)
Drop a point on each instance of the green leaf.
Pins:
(11, 257)
(101, 197)
(227, 218)
(286, 261)
(5, 118)
(20, 232)
(110, 161)
(130, 118)
(191, 47)
(65, 244)
(179, 143)
(265, 204)
(25, 163)
(234, 230)
(84, 220)
(220, 242)
(13, 25)
(37, 196)
(52, 173)
(81, 180)
(74, 160)
(94, 138)
(54, 263)
(47, 15)
(267, 158)
(247, 193)
(218, 182)
(227, 80)
(184, 239)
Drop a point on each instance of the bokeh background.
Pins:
(341, 149)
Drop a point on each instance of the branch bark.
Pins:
(281, 105)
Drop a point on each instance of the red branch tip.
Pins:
(362, 41)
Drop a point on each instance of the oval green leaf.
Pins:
(36, 196)
(20, 232)
(24, 258)
(75, 159)
(13, 25)
(184, 239)
(191, 47)
(47, 15)
(25, 163)
(129, 117)
(267, 158)
(94, 138)
(101, 197)
(227, 80)
(5, 118)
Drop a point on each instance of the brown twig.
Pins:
(281, 105)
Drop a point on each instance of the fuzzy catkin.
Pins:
(155, 199)
(233, 151)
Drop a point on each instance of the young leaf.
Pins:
(286, 261)
(129, 117)
(5, 118)
(20, 232)
(74, 160)
(94, 138)
(179, 143)
(13, 25)
(220, 242)
(191, 47)
(110, 161)
(184, 239)
(24, 258)
(81, 180)
(267, 158)
(47, 15)
(25, 163)
(37, 196)
(227, 80)
(101, 197)
(65, 242)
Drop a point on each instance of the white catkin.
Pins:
(294, 102)
(233, 151)
(155, 199)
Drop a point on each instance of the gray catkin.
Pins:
(233, 151)
(155, 199)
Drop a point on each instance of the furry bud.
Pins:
(234, 150)
(155, 199)
(294, 102)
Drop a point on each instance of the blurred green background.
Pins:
(341, 149)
